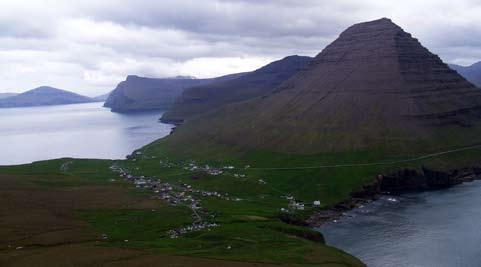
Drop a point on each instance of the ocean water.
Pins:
(80, 130)
(435, 229)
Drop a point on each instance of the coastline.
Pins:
(398, 183)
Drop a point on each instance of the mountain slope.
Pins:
(199, 99)
(471, 73)
(140, 93)
(102, 98)
(5, 95)
(43, 96)
(375, 87)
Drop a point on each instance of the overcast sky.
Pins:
(89, 46)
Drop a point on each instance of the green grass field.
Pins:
(249, 229)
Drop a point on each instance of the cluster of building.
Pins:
(192, 166)
(175, 233)
(297, 205)
(182, 194)
(166, 164)
(208, 169)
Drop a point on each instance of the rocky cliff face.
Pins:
(200, 99)
(375, 86)
(141, 94)
(402, 181)
(426, 179)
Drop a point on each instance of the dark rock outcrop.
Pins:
(141, 94)
(200, 99)
(402, 181)
(426, 179)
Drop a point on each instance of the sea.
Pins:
(80, 130)
(426, 229)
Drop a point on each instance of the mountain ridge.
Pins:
(472, 72)
(138, 93)
(200, 99)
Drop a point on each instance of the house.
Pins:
(296, 205)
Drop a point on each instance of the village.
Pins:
(183, 194)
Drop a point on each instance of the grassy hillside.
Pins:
(85, 212)
(72, 205)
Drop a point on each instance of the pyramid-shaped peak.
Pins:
(373, 86)
(379, 42)
(383, 23)
(375, 31)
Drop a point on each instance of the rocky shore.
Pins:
(402, 181)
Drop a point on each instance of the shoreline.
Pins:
(397, 183)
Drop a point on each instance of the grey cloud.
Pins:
(93, 44)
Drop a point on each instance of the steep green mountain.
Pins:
(140, 93)
(43, 96)
(199, 99)
(471, 73)
(374, 88)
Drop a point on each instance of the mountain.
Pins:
(375, 88)
(199, 99)
(471, 73)
(5, 95)
(102, 98)
(43, 96)
(140, 93)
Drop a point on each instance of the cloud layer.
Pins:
(89, 46)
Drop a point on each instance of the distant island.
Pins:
(5, 95)
(43, 96)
